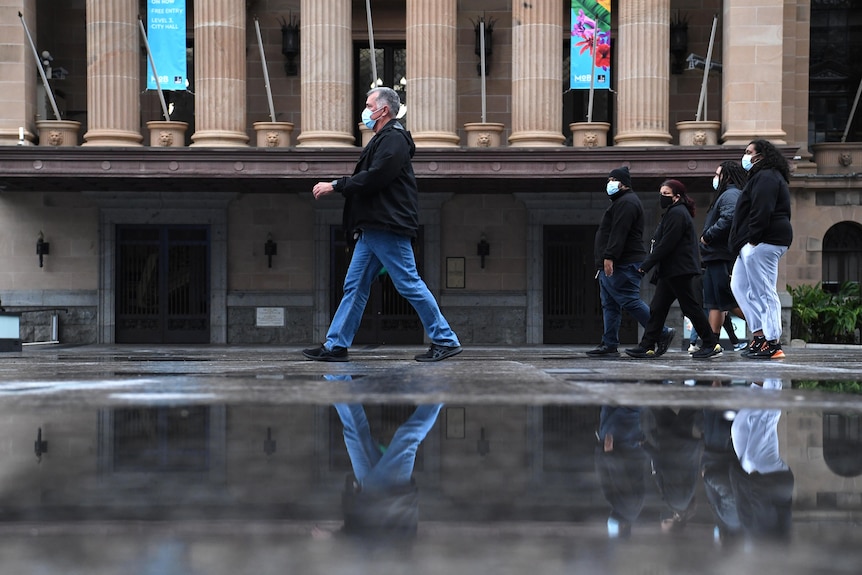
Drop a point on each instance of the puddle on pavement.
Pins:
(169, 487)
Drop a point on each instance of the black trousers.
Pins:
(687, 290)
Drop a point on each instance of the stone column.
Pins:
(537, 76)
(752, 72)
(326, 74)
(431, 69)
(18, 85)
(643, 73)
(113, 74)
(220, 73)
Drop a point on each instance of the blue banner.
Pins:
(591, 44)
(166, 34)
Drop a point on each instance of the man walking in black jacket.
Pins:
(381, 215)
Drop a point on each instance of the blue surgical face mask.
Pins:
(612, 188)
(715, 183)
(366, 118)
(746, 162)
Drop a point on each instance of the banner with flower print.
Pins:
(591, 44)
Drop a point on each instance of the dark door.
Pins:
(388, 317)
(572, 305)
(162, 284)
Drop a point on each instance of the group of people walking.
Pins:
(746, 231)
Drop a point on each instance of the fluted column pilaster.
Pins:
(18, 87)
(113, 75)
(326, 61)
(431, 67)
(220, 73)
(643, 81)
(752, 71)
(537, 108)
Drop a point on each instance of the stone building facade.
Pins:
(210, 235)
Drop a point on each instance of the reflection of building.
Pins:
(788, 74)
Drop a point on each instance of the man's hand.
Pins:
(609, 268)
(321, 189)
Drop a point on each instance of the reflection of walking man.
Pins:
(619, 251)
(381, 216)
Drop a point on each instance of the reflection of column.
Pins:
(537, 108)
(220, 73)
(326, 58)
(752, 70)
(113, 83)
(643, 73)
(19, 72)
(431, 61)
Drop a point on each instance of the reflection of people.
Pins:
(381, 497)
(618, 252)
(677, 264)
(675, 452)
(381, 216)
(760, 235)
(715, 253)
(762, 482)
(621, 466)
(715, 464)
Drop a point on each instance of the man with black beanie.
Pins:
(619, 252)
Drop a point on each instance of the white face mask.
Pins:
(715, 183)
(746, 162)
(612, 188)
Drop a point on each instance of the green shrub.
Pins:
(818, 316)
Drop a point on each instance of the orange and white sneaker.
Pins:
(768, 350)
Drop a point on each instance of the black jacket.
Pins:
(382, 192)
(762, 212)
(674, 245)
(620, 234)
(716, 228)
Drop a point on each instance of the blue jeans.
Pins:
(375, 250)
(377, 471)
(621, 291)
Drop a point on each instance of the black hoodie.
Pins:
(762, 212)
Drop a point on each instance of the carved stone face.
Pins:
(272, 139)
(55, 138)
(699, 138)
(591, 140)
(483, 140)
(166, 139)
(846, 159)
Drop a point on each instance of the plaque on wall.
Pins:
(455, 276)
(269, 317)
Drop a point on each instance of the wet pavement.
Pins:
(231, 459)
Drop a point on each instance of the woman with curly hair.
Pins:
(675, 258)
(761, 233)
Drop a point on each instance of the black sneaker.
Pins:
(768, 350)
(323, 354)
(641, 353)
(603, 351)
(664, 342)
(753, 346)
(438, 352)
(707, 352)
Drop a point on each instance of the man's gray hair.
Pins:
(387, 97)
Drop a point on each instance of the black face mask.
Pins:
(666, 202)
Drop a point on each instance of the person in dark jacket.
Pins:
(619, 250)
(760, 235)
(674, 256)
(381, 214)
(715, 253)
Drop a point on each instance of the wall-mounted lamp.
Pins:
(678, 43)
(483, 446)
(269, 442)
(489, 46)
(483, 248)
(290, 43)
(270, 248)
(43, 248)
(40, 446)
